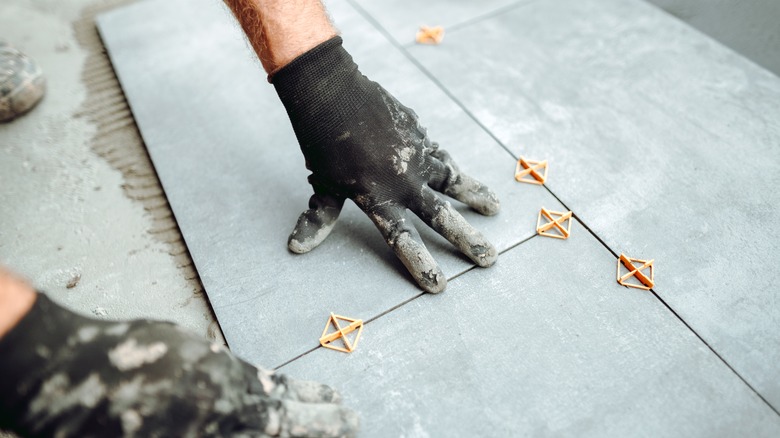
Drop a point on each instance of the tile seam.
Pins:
(405, 302)
(428, 74)
(473, 20)
(368, 17)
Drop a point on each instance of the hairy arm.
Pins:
(360, 143)
(282, 30)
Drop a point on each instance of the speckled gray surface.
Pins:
(402, 18)
(750, 27)
(233, 173)
(546, 344)
(664, 142)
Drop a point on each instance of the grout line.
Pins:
(490, 14)
(469, 269)
(712, 349)
(305, 353)
(407, 301)
(667, 305)
(478, 18)
(441, 86)
(425, 71)
(685, 323)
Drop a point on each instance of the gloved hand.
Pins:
(361, 143)
(62, 374)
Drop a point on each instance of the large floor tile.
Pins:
(664, 142)
(544, 344)
(402, 18)
(228, 160)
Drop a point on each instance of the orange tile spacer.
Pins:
(430, 35)
(327, 339)
(558, 220)
(646, 282)
(531, 168)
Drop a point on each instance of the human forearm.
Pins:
(281, 30)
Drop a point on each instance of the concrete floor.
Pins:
(80, 197)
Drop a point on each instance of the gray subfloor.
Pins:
(79, 198)
(640, 117)
(78, 195)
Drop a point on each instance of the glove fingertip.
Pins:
(300, 246)
(489, 205)
(312, 228)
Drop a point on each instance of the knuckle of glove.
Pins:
(381, 150)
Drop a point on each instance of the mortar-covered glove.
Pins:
(361, 143)
(62, 374)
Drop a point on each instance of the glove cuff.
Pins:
(320, 89)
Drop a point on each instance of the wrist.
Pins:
(16, 300)
(282, 50)
(281, 30)
(320, 89)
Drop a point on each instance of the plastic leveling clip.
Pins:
(327, 339)
(645, 278)
(527, 171)
(558, 225)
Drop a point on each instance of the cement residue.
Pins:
(311, 419)
(420, 263)
(454, 227)
(118, 141)
(57, 395)
(401, 159)
(130, 355)
(307, 236)
(280, 386)
(474, 194)
(466, 189)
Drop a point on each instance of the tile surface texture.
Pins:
(402, 18)
(228, 160)
(665, 143)
(545, 344)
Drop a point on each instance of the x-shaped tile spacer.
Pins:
(557, 219)
(327, 338)
(531, 168)
(430, 35)
(646, 282)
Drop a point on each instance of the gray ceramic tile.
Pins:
(402, 18)
(545, 344)
(228, 160)
(664, 142)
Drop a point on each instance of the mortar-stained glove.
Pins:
(63, 374)
(361, 144)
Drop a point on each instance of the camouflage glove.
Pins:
(361, 143)
(67, 375)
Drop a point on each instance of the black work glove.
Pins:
(62, 374)
(361, 143)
